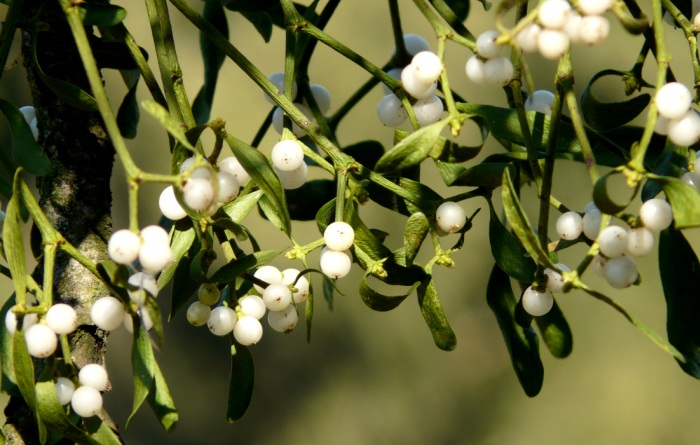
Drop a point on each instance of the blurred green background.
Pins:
(377, 378)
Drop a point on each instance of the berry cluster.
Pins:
(39, 334)
(288, 163)
(558, 26)
(677, 119)
(86, 399)
(335, 258)
(489, 65)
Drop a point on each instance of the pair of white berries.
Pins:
(677, 119)
(419, 80)
(151, 248)
(559, 25)
(319, 93)
(86, 399)
(41, 337)
(336, 260)
(288, 162)
(489, 65)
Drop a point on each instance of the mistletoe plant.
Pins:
(90, 279)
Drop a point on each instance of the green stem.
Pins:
(441, 30)
(134, 206)
(463, 35)
(49, 266)
(341, 184)
(579, 129)
(401, 57)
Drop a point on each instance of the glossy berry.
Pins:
(414, 86)
(555, 282)
(86, 401)
(107, 313)
(208, 294)
(169, 206)
(278, 80)
(93, 375)
(640, 241)
(391, 111)
(499, 70)
(593, 29)
(322, 97)
(253, 306)
(692, 178)
(41, 340)
(248, 330)
(293, 179)
(570, 225)
(486, 45)
(540, 101)
(620, 272)
(335, 264)
(123, 246)
(527, 37)
(62, 318)
(396, 74)
(673, 100)
(537, 303)
(278, 120)
(613, 241)
(552, 44)
(450, 217)
(285, 320)
(233, 166)
(287, 155)
(64, 390)
(339, 235)
(268, 274)
(475, 70)
(591, 224)
(198, 313)
(11, 321)
(572, 28)
(277, 297)
(553, 13)
(594, 7)
(198, 193)
(656, 214)
(155, 257)
(289, 276)
(685, 130)
(221, 320)
(427, 66)
(598, 265)
(229, 187)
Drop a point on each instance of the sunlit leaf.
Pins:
(414, 232)
(239, 208)
(522, 343)
(9, 382)
(443, 335)
(24, 374)
(412, 150)
(680, 270)
(161, 402)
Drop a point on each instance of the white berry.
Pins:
(553, 13)
(41, 340)
(594, 7)
(428, 111)
(141, 281)
(198, 313)
(612, 241)
(93, 375)
(427, 66)
(229, 187)
(620, 272)
(248, 330)
(692, 178)
(278, 120)
(541, 101)
(475, 70)
(593, 29)
(499, 70)
(268, 274)
(391, 111)
(107, 313)
(143, 315)
(253, 306)
(233, 166)
(396, 74)
(155, 257)
(552, 44)
(289, 276)
(221, 320)
(527, 37)
(537, 303)
(656, 214)
(673, 100)
(640, 241)
(277, 297)
(11, 321)
(64, 390)
(198, 193)
(339, 235)
(450, 217)
(415, 86)
(486, 45)
(414, 44)
(293, 179)
(62, 318)
(570, 225)
(123, 246)
(278, 80)
(335, 263)
(86, 401)
(322, 97)
(555, 282)
(591, 224)
(285, 320)
(287, 155)
(169, 206)
(685, 130)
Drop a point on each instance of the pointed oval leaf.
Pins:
(414, 233)
(486, 174)
(684, 199)
(240, 388)
(129, 114)
(241, 207)
(13, 239)
(232, 270)
(412, 150)
(24, 373)
(261, 21)
(143, 365)
(522, 343)
(556, 332)
(378, 301)
(443, 335)
(511, 257)
(680, 270)
(100, 14)
(161, 402)
(26, 151)
(9, 381)
(603, 116)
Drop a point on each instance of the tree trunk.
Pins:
(75, 196)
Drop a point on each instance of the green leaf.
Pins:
(26, 151)
(101, 14)
(67, 92)
(13, 239)
(213, 60)
(680, 270)
(143, 364)
(556, 332)
(412, 150)
(239, 208)
(161, 402)
(378, 301)
(521, 226)
(486, 174)
(183, 239)
(183, 286)
(261, 21)
(414, 234)
(667, 164)
(257, 166)
(603, 116)
(271, 214)
(522, 343)
(129, 114)
(240, 388)
(232, 270)
(24, 373)
(510, 255)
(602, 199)
(9, 381)
(54, 416)
(443, 335)
(684, 199)
(163, 116)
